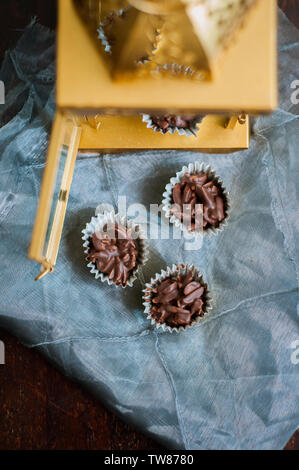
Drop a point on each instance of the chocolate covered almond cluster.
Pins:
(170, 122)
(178, 301)
(114, 256)
(197, 189)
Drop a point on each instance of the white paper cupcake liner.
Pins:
(175, 70)
(174, 271)
(96, 225)
(101, 29)
(192, 130)
(167, 201)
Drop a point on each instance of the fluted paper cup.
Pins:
(175, 70)
(97, 224)
(167, 202)
(192, 130)
(115, 14)
(173, 272)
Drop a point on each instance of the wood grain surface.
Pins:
(39, 408)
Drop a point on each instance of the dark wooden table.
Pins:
(39, 408)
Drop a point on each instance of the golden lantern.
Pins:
(119, 58)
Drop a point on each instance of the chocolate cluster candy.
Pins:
(178, 301)
(170, 122)
(198, 189)
(115, 257)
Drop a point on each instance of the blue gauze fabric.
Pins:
(228, 383)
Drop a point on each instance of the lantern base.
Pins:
(113, 134)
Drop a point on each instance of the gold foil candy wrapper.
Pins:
(174, 271)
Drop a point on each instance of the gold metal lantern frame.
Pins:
(99, 111)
